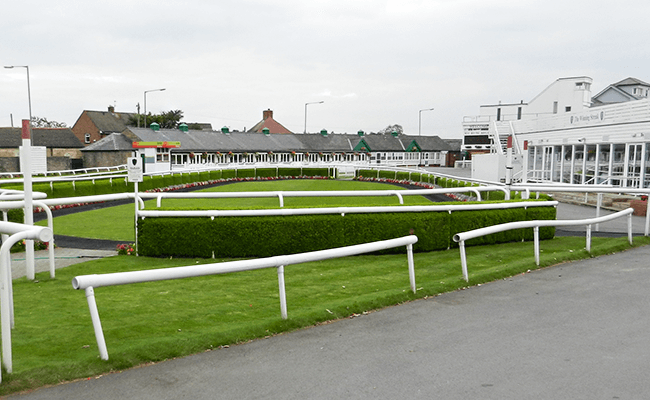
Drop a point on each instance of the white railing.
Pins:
(341, 210)
(68, 171)
(88, 282)
(460, 238)
(590, 189)
(281, 195)
(17, 233)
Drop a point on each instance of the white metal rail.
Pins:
(460, 238)
(88, 282)
(322, 193)
(17, 233)
(342, 210)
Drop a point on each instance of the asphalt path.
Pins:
(579, 330)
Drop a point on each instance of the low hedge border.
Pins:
(162, 182)
(276, 235)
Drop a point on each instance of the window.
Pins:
(162, 155)
(567, 108)
(555, 107)
(87, 138)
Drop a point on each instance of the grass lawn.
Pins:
(116, 223)
(53, 339)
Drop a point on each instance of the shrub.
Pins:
(315, 172)
(246, 173)
(84, 188)
(63, 189)
(275, 235)
(228, 174)
(265, 172)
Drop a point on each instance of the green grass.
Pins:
(116, 223)
(53, 339)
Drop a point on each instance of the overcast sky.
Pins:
(374, 63)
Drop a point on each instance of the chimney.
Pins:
(267, 114)
(111, 109)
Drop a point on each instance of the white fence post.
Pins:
(629, 228)
(97, 323)
(463, 260)
(409, 255)
(536, 239)
(283, 293)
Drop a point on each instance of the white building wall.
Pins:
(574, 93)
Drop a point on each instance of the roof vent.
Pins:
(266, 131)
(360, 133)
(323, 132)
(154, 126)
(183, 127)
(225, 129)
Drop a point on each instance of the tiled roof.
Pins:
(112, 142)
(194, 140)
(59, 138)
(274, 126)
(108, 122)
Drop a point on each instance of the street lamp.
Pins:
(29, 95)
(145, 103)
(420, 120)
(306, 104)
(27, 179)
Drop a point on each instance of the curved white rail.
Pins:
(460, 238)
(88, 282)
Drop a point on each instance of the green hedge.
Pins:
(276, 235)
(84, 188)
(315, 172)
(246, 173)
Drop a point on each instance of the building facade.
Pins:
(566, 139)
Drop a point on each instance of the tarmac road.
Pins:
(579, 330)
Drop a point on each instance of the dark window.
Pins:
(477, 139)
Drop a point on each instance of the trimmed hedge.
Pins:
(276, 235)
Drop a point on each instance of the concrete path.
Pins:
(576, 331)
(63, 257)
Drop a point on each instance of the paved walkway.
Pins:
(63, 257)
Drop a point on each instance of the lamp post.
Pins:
(145, 103)
(306, 104)
(420, 120)
(27, 178)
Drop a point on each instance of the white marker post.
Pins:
(27, 189)
(134, 170)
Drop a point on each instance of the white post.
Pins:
(629, 228)
(463, 260)
(598, 205)
(27, 188)
(409, 255)
(536, 240)
(524, 179)
(283, 293)
(97, 323)
(588, 244)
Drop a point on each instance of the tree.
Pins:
(41, 122)
(167, 120)
(390, 129)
